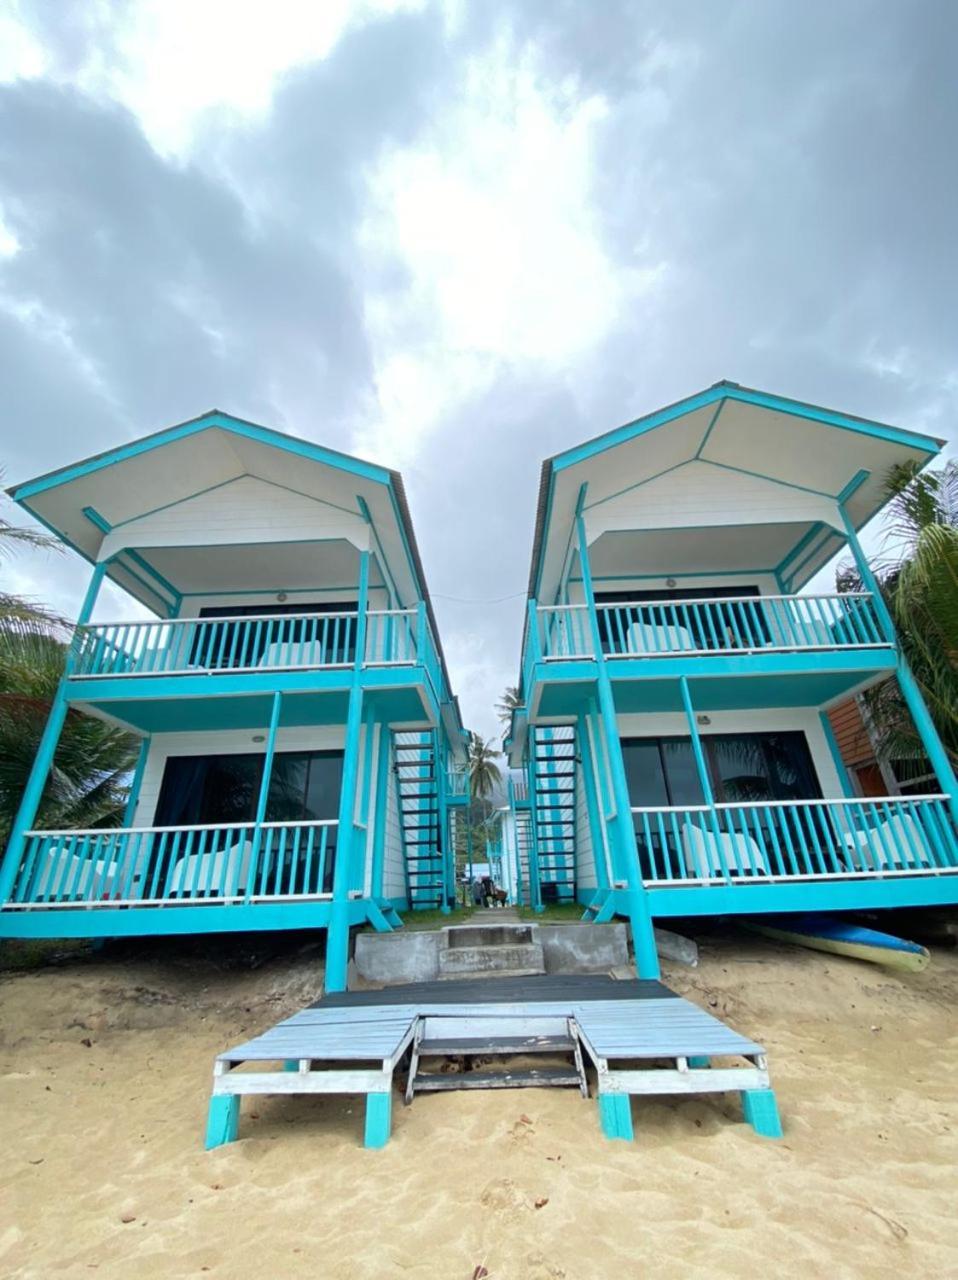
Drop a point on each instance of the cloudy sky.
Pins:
(458, 237)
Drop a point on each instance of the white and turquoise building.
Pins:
(674, 753)
(301, 752)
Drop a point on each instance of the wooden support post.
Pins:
(222, 1123)
(761, 1112)
(615, 1113)
(379, 1108)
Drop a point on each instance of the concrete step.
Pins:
(479, 959)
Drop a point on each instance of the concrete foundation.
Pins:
(464, 950)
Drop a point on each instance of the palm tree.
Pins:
(87, 785)
(918, 577)
(87, 782)
(18, 615)
(511, 698)
(484, 774)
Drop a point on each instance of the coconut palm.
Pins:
(87, 782)
(918, 576)
(511, 698)
(484, 774)
(17, 614)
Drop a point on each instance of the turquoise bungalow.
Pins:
(675, 753)
(302, 752)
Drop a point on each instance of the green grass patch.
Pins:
(557, 913)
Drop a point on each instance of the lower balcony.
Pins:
(887, 851)
(233, 873)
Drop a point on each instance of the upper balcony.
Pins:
(277, 643)
(707, 627)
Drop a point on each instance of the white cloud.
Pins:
(173, 61)
(493, 217)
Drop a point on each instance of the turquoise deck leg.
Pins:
(698, 1062)
(222, 1123)
(615, 1113)
(291, 1064)
(761, 1111)
(379, 1110)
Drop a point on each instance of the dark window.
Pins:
(206, 790)
(742, 767)
(714, 626)
(202, 790)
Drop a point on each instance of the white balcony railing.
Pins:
(278, 642)
(213, 865)
(720, 625)
(787, 840)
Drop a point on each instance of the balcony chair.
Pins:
(893, 843)
(647, 637)
(705, 850)
(214, 873)
(65, 876)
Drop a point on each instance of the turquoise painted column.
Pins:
(448, 855)
(643, 934)
(704, 781)
(910, 691)
(337, 934)
(844, 781)
(263, 797)
(46, 749)
(928, 733)
(379, 817)
(133, 799)
(592, 802)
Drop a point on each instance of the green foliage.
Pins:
(511, 698)
(918, 576)
(87, 786)
(484, 774)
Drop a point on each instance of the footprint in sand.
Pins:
(503, 1196)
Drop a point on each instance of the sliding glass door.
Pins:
(208, 790)
(743, 768)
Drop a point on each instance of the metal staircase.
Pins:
(417, 786)
(553, 807)
(523, 854)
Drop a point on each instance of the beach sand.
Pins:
(105, 1068)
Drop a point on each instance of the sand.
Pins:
(105, 1070)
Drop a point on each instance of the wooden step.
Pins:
(529, 1078)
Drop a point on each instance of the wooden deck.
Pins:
(638, 1036)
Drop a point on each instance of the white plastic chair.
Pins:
(218, 873)
(895, 843)
(705, 851)
(646, 637)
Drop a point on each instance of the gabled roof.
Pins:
(730, 428)
(84, 501)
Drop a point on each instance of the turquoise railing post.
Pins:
(337, 933)
(840, 769)
(910, 691)
(133, 799)
(379, 817)
(535, 888)
(592, 802)
(421, 633)
(442, 825)
(643, 934)
(46, 749)
(263, 798)
(535, 646)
